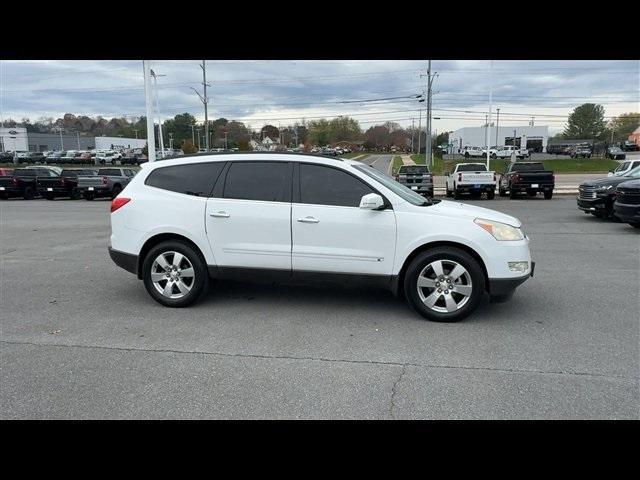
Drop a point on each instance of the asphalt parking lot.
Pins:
(81, 338)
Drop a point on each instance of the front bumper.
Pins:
(124, 260)
(504, 287)
(592, 205)
(627, 212)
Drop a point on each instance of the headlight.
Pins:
(604, 189)
(500, 231)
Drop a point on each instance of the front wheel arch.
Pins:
(398, 288)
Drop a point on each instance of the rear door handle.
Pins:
(220, 214)
(308, 220)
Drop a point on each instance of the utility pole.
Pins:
(199, 138)
(420, 133)
(193, 136)
(171, 141)
(428, 142)
(413, 133)
(497, 123)
(155, 91)
(490, 106)
(226, 143)
(151, 138)
(78, 137)
(205, 101)
(61, 142)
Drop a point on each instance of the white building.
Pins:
(14, 139)
(532, 137)
(118, 143)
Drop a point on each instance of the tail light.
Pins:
(459, 177)
(104, 180)
(118, 202)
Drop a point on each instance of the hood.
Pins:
(635, 184)
(606, 181)
(446, 207)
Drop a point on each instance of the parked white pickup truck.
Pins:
(471, 178)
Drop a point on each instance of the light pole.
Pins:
(78, 138)
(193, 135)
(155, 89)
(151, 138)
(61, 142)
(199, 138)
(490, 106)
(497, 122)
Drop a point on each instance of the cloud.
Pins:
(284, 91)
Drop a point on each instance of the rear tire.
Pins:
(512, 194)
(154, 278)
(548, 195)
(449, 258)
(89, 196)
(28, 193)
(491, 195)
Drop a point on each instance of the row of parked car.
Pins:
(505, 151)
(616, 196)
(52, 182)
(333, 152)
(474, 179)
(82, 157)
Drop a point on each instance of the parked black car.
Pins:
(627, 204)
(526, 177)
(615, 153)
(23, 182)
(597, 196)
(66, 185)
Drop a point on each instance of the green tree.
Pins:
(319, 132)
(623, 125)
(586, 122)
(180, 127)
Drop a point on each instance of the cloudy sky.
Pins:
(281, 92)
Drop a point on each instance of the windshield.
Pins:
(635, 173)
(400, 190)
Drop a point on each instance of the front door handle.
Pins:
(220, 214)
(308, 220)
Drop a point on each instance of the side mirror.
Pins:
(371, 201)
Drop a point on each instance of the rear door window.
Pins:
(265, 181)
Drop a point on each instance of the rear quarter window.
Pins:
(195, 179)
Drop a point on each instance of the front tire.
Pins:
(175, 274)
(449, 270)
(28, 193)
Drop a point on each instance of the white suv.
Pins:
(295, 218)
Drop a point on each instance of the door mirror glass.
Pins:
(371, 201)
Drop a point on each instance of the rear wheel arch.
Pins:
(398, 287)
(162, 237)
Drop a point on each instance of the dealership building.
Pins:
(17, 139)
(534, 138)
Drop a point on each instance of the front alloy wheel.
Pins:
(444, 284)
(172, 274)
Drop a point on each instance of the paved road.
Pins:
(80, 338)
(380, 162)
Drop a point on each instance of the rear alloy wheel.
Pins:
(174, 274)
(444, 284)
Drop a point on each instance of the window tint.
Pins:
(322, 185)
(193, 179)
(268, 181)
